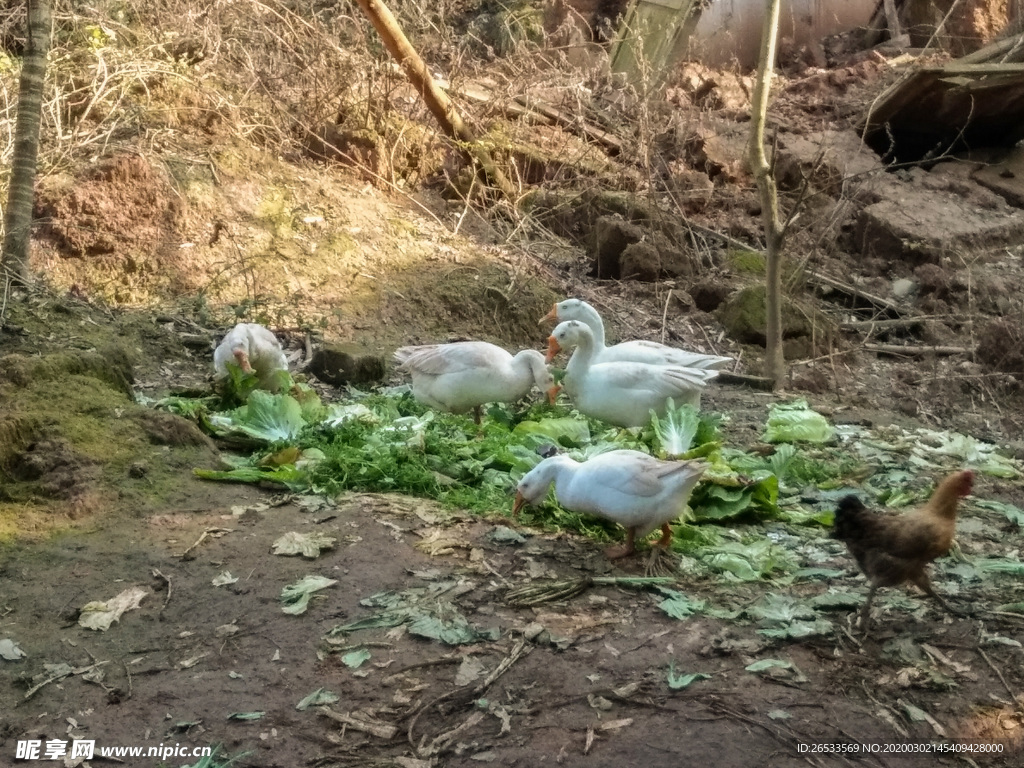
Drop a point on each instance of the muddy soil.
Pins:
(590, 690)
(582, 681)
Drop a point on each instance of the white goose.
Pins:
(463, 376)
(621, 393)
(637, 491)
(650, 352)
(255, 349)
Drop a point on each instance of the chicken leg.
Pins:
(925, 585)
(865, 612)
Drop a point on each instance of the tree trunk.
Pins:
(20, 192)
(437, 101)
(774, 361)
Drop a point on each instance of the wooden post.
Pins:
(437, 101)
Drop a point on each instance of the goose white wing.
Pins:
(438, 359)
(653, 353)
(660, 380)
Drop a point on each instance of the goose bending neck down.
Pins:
(462, 376)
(637, 491)
(254, 349)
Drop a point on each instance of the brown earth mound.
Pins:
(123, 214)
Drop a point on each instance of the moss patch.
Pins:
(743, 315)
(745, 262)
(74, 442)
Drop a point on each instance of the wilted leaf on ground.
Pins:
(319, 696)
(679, 682)
(246, 715)
(777, 669)
(356, 659)
(100, 615)
(679, 606)
(296, 596)
(469, 670)
(1000, 565)
(426, 611)
(9, 650)
(305, 544)
(779, 609)
(502, 534)
(836, 601)
(798, 629)
(1012, 513)
(223, 578)
(451, 629)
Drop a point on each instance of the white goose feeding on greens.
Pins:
(621, 393)
(637, 491)
(650, 352)
(464, 375)
(255, 349)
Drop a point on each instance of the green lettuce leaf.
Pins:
(795, 421)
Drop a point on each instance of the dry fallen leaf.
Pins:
(100, 615)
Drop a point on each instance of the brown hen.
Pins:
(893, 549)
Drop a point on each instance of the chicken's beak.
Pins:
(553, 349)
(550, 317)
(553, 393)
(520, 502)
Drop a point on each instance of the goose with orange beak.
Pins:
(254, 349)
(637, 491)
(640, 351)
(462, 376)
(621, 393)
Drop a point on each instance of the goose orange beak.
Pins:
(520, 502)
(553, 393)
(553, 349)
(550, 317)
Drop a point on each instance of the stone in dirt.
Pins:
(1005, 177)
(339, 364)
(920, 221)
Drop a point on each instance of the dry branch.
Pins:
(574, 125)
(854, 292)
(754, 382)
(381, 730)
(437, 101)
(903, 349)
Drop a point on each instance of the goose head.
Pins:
(533, 488)
(570, 309)
(567, 335)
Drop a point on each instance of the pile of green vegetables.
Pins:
(388, 442)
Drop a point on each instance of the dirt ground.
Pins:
(583, 681)
(174, 670)
(152, 251)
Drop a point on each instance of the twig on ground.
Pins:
(208, 533)
(994, 668)
(158, 574)
(381, 730)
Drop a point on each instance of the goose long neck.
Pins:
(583, 355)
(561, 471)
(595, 323)
(529, 367)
